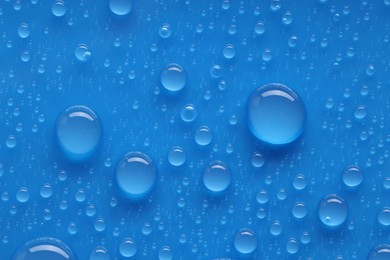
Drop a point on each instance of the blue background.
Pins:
(138, 115)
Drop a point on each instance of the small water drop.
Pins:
(299, 210)
(11, 141)
(99, 253)
(260, 27)
(352, 176)
(203, 136)
(44, 248)
(276, 114)
(23, 30)
(245, 241)
(22, 195)
(165, 31)
(165, 253)
(228, 51)
(173, 77)
(136, 174)
(79, 132)
(384, 216)
(127, 247)
(82, 52)
(332, 210)
(292, 246)
(216, 177)
(120, 7)
(257, 160)
(188, 113)
(360, 112)
(176, 156)
(46, 191)
(58, 8)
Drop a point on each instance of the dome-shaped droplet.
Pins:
(380, 252)
(23, 30)
(245, 241)
(276, 114)
(79, 132)
(58, 8)
(99, 253)
(384, 216)
(82, 52)
(173, 77)
(203, 136)
(257, 160)
(165, 31)
(136, 174)
(176, 156)
(216, 177)
(22, 195)
(299, 210)
(120, 7)
(127, 247)
(188, 113)
(352, 176)
(165, 253)
(332, 210)
(44, 248)
(228, 51)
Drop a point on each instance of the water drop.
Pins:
(11, 142)
(203, 136)
(370, 70)
(260, 27)
(173, 77)
(58, 8)
(216, 177)
(23, 30)
(46, 191)
(82, 52)
(299, 210)
(136, 174)
(100, 225)
(216, 71)
(165, 31)
(99, 253)
(257, 160)
(299, 182)
(120, 7)
(22, 195)
(380, 252)
(165, 253)
(276, 228)
(79, 132)
(266, 55)
(177, 156)
(276, 114)
(188, 113)
(360, 112)
(384, 216)
(262, 197)
(292, 246)
(352, 176)
(287, 18)
(332, 210)
(72, 228)
(228, 51)
(245, 241)
(44, 248)
(127, 247)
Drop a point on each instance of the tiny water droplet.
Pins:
(245, 241)
(173, 77)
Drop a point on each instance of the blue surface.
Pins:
(324, 195)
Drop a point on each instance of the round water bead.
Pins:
(165, 253)
(380, 252)
(203, 136)
(120, 7)
(79, 132)
(332, 210)
(276, 114)
(44, 248)
(188, 113)
(99, 253)
(82, 52)
(352, 176)
(58, 8)
(127, 247)
(136, 174)
(176, 156)
(216, 177)
(245, 241)
(384, 216)
(165, 31)
(173, 77)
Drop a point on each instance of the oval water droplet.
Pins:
(216, 177)
(177, 156)
(245, 241)
(352, 176)
(188, 113)
(203, 136)
(276, 114)
(79, 132)
(58, 8)
(165, 253)
(384, 216)
(173, 77)
(127, 247)
(165, 31)
(332, 210)
(44, 248)
(22, 195)
(23, 30)
(99, 253)
(120, 7)
(82, 52)
(228, 51)
(380, 252)
(136, 174)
